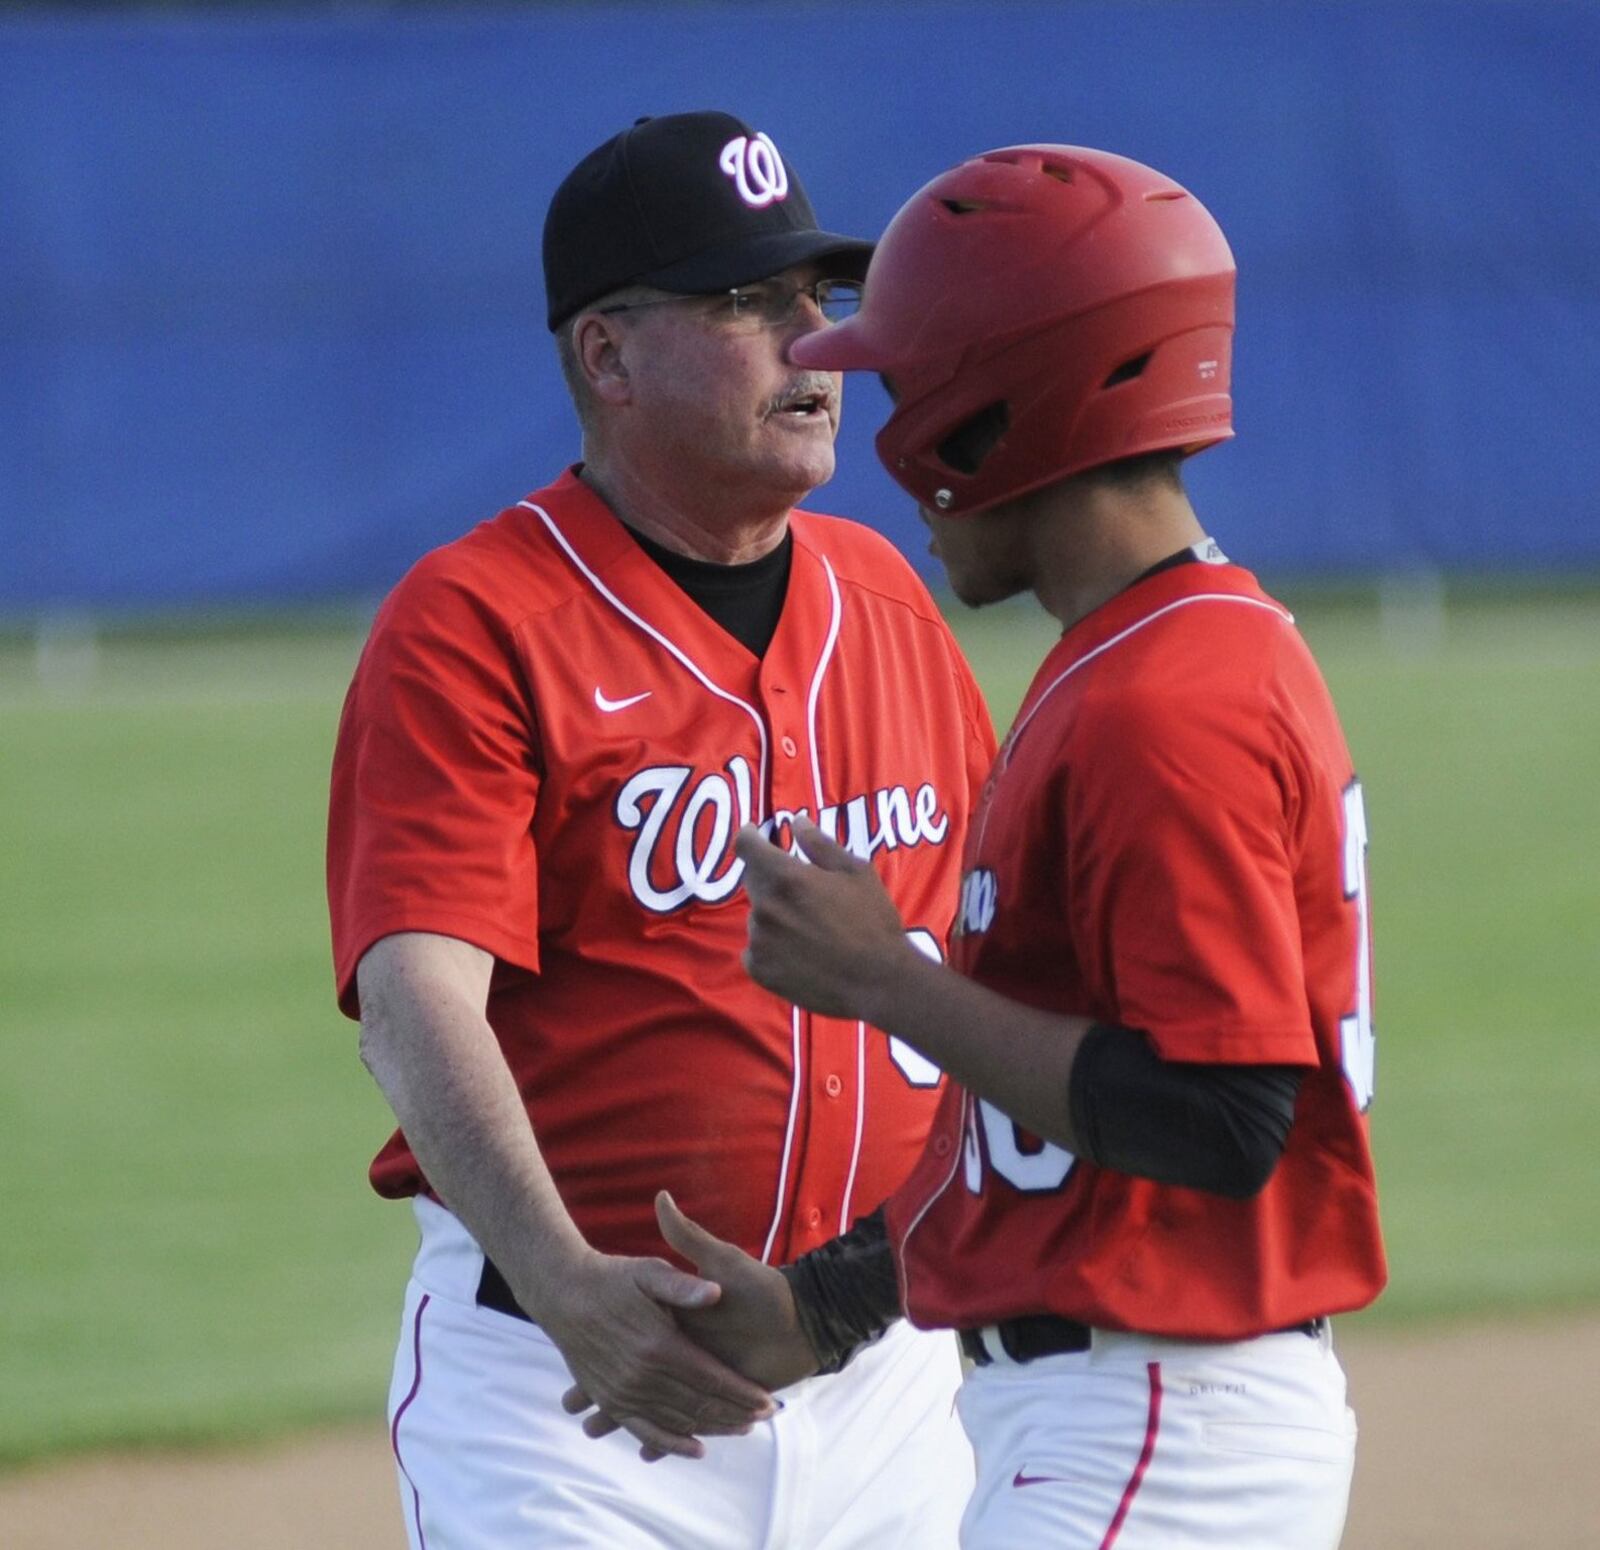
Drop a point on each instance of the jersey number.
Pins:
(1357, 1040)
(913, 1065)
(1032, 1166)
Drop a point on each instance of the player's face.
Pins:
(987, 557)
(716, 400)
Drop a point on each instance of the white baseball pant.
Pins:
(1142, 1443)
(870, 1459)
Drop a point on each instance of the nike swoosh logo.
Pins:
(1019, 1479)
(604, 704)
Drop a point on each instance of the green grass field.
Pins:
(189, 1249)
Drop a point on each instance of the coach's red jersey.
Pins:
(1172, 839)
(547, 751)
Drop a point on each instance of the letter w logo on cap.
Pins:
(757, 170)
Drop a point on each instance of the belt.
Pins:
(1023, 1339)
(494, 1291)
(1044, 1334)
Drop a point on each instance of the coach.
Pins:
(559, 724)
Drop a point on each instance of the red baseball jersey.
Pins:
(547, 751)
(1172, 840)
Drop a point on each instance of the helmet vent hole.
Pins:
(962, 206)
(965, 448)
(1128, 370)
(1160, 195)
(1056, 170)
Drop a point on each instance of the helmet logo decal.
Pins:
(757, 170)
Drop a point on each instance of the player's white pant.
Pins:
(872, 1459)
(1149, 1444)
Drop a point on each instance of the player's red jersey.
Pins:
(547, 751)
(1172, 840)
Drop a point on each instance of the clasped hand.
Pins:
(747, 1325)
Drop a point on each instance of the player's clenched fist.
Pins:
(825, 936)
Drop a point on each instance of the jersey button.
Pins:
(833, 1086)
(789, 746)
(813, 1218)
(941, 1146)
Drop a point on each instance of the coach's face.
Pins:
(712, 395)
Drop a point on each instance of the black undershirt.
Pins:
(746, 600)
(1185, 556)
(1213, 1127)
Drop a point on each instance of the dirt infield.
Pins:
(1476, 1438)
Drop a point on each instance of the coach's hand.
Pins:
(821, 935)
(612, 1318)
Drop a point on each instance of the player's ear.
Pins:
(597, 350)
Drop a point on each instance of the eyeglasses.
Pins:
(769, 304)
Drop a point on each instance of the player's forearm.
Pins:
(828, 936)
(1016, 1056)
(1099, 1090)
(438, 1063)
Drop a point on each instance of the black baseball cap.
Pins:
(689, 202)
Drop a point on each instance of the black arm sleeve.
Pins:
(846, 1292)
(1213, 1127)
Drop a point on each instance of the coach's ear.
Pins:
(597, 350)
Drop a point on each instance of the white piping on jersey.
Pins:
(675, 651)
(837, 610)
(957, 1153)
(823, 663)
(1133, 629)
(788, 1134)
(861, 1119)
(816, 683)
(1122, 635)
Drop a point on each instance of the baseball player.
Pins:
(1152, 1185)
(556, 730)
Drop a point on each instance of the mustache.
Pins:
(812, 384)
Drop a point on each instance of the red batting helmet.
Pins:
(1038, 311)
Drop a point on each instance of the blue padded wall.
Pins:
(271, 318)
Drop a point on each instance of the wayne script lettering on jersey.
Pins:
(684, 844)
